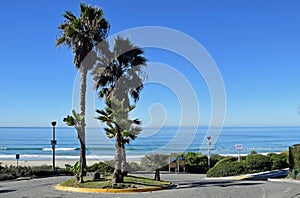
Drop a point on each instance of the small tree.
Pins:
(120, 127)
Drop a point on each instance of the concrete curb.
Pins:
(99, 190)
(284, 180)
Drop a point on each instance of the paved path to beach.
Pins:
(188, 185)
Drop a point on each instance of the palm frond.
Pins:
(69, 16)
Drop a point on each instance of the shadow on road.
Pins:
(215, 183)
(6, 191)
(270, 174)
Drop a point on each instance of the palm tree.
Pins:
(119, 73)
(129, 131)
(119, 76)
(83, 34)
(115, 115)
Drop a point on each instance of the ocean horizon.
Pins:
(34, 143)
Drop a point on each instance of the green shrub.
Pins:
(257, 163)
(215, 158)
(195, 162)
(21, 171)
(5, 176)
(101, 167)
(226, 168)
(253, 152)
(75, 169)
(43, 171)
(27, 171)
(133, 166)
(228, 159)
(279, 161)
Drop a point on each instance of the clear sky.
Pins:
(255, 44)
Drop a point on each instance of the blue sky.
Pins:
(255, 45)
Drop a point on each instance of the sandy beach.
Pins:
(58, 163)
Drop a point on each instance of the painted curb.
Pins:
(240, 177)
(99, 190)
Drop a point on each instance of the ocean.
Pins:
(34, 143)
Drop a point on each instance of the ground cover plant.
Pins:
(106, 182)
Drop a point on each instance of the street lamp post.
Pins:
(208, 154)
(53, 143)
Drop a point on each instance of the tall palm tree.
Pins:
(119, 76)
(119, 73)
(115, 115)
(83, 33)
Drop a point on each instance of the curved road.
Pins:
(188, 185)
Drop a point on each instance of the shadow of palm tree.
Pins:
(215, 183)
(7, 191)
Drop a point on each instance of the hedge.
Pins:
(226, 168)
(251, 164)
(257, 163)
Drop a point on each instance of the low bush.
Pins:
(228, 159)
(253, 163)
(253, 152)
(104, 167)
(11, 172)
(279, 161)
(257, 163)
(215, 158)
(226, 168)
(133, 166)
(195, 162)
(5, 176)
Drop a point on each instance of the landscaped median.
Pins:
(131, 184)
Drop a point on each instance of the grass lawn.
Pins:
(129, 182)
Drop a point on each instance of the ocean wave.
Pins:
(20, 149)
(38, 149)
(60, 149)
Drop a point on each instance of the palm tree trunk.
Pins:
(81, 133)
(124, 166)
(117, 176)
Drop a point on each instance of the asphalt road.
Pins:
(188, 185)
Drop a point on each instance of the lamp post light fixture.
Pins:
(208, 154)
(53, 143)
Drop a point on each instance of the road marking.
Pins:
(287, 189)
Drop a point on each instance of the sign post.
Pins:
(17, 157)
(239, 147)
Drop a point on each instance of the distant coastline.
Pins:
(33, 143)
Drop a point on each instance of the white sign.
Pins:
(238, 147)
